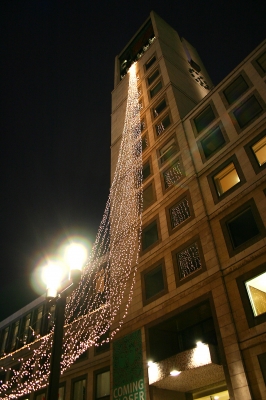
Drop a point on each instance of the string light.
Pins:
(106, 288)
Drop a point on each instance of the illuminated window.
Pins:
(156, 89)
(204, 119)
(235, 90)
(173, 174)
(167, 151)
(103, 385)
(148, 196)
(154, 282)
(79, 389)
(247, 111)
(150, 62)
(179, 213)
(153, 76)
(160, 128)
(188, 261)
(256, 289)
(150, 235)
(259, 150)
(226, 179)
(159, 108)
(212, 142)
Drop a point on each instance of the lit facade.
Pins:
(202, 269)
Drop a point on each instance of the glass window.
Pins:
(148, 196)
(212, 142)
(4, 336)
(150, 62)
(167, 151)
(144, 142)
(238, 225)
(142, 125)
(14, 339)
(156, 89)
(103, 385)
(38, 322)
(146, 171)
(235, 90)
(154, 282)
(159, 108)
(79, 390)
(153, 76)
(226, 179)
(247, 111)
(40, 395)
(261, 61)
(188, 261)
(173, 174)
(179, 213)
(259, 150)
(160, 128)
(150, 235)
(61, 393)
(204, 118)
(256, 289)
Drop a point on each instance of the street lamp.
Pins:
(75, 256)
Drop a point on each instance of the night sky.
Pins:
(57, 68)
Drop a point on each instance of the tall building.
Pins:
(196, 326)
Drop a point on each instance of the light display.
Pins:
(104, 293)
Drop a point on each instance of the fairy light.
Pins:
(105, 291)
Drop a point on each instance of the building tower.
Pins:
(203, 238)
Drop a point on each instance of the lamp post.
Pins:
(75, 258)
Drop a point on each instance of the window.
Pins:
(256, 151)
(260, 64)
(252, 290)
(262, 362)
(26, 328)
(4, 336)
(173, 174)
(256, 289)
(204, 118)
(79, 389)
(153, 76)
(159, 108)
(179, 213)
(144, 142)
(150, 235)
(148, 196)
(103, 343)
(41, 395)
(14, 338)
(167, 151)
(160, 128)
(247, 111)
(153, 282)
(38, 320)
(142, 125)
(146, 170)
(235, 90)
(150, 62)
(242, 228)
(188, 261)
(259, 150)
(156, 89)
(212, 142)
(226, 179)
(103, 385)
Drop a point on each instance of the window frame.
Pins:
(185, 195)
(148, 160)
(145, 300)
(153, 193)
(207, 134)
(250, 204)
(159, 122)
(262, 104)
(146, 66)
(251, 155)
(77, 379)
(241, 280)
(154, 244)
(256, 64)
(223, 96)
(154, 86)
(95, 374)
(175, 160)
(209, 125)
(216, 197)
(192, 275)
(164, 144)
(164, 98)
(157, 68)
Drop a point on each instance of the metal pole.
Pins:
(53, 388)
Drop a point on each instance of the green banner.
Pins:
(128, 375)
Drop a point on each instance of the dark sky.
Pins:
(57, 68)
